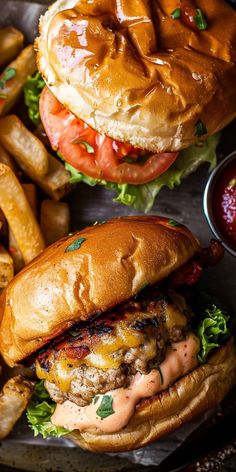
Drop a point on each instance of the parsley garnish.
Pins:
(95, 400)
(98, 223)
(74, 332)
(200, 19)
(174, 223)
(200, 129)
(8, 74)
(85, 144)
(161, 375)
(105, 409)
(176, 14)
(75, 245)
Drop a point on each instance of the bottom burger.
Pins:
(126, 347)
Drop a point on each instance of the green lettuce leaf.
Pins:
(32, 90)
(212, 330)
(142, 197)
(39, 414)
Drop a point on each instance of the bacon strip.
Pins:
(191, 272)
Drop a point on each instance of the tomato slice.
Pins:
(115, 170)
(62, 127)
(96, 155)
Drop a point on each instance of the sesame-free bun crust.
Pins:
(135, 74)
(189, 397)
(116, 260)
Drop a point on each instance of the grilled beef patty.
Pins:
(104, 354)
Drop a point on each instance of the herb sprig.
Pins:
(88, 147)
(105, 409)
(200, 129)
(8, 74)
(77, 243)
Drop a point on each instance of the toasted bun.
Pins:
(191, 396)
(114, 262)
(135, 74)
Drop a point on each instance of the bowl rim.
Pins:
(207, 201)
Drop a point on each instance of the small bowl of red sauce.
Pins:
(220, 202)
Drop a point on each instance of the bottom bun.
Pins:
(189, 397)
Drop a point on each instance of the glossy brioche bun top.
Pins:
(132, 72)
(86, 274)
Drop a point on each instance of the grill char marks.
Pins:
(140, 325)
(152, 312)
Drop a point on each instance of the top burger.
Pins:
(135, 90)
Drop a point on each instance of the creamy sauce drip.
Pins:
(181, 358)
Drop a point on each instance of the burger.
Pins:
(124, 351)
(135, 91)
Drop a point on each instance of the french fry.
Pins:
(6, 159)
(56, 184)
(28, 150)
(14, 399)
(2, 219)
(19, 215)
(4, 230)
(3, 226)
(16, 255)
(54, 220)
(6, 267)
(13, 79)
(11, 43)
(31, 195)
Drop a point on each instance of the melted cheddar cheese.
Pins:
(174, 317)
(109, 351)
(108, 354)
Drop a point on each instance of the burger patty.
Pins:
(89, 381)
(106, 353)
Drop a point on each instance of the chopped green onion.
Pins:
(9, 73)
(105, 409)
(99, 223)
(200, 19)
(88, 147)
(176, 14)
(174, 223)
(75, 245)
(200, 129)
